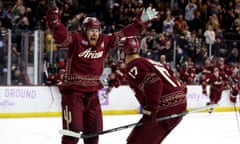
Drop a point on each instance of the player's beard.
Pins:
(92, 42)
(92, 35)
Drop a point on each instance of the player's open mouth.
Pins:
(93, 39)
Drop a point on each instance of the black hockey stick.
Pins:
(85, 136)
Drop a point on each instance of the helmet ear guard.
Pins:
(130, 45)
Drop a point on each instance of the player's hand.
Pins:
(204, 92)
(108, 90)
(148, 14)
(149, 118)
(233, 98)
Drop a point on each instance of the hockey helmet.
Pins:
(91, 22)
(130, 45)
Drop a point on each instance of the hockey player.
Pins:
(205, 72)
(157, 90)
(235, 91)
(188, 74)
(226, 71)
(217, 82)
(85, 62)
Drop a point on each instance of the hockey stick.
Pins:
(85, 136)
(236, 112)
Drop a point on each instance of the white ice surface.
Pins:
(196, 128)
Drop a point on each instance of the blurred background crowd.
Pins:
(186, 34)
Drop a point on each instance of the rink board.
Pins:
(38, 101)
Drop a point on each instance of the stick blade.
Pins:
(70, 133)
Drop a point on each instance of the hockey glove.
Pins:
(149, 118)
(148, 14)
(204, 92)
(204, 88)
(233, 98)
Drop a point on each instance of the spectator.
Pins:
(3, 75)
(168, 24)
(176, 11)
(168, 50)
(67, 13)
(214, 22)
(144, 46)
(234, 57)
(210, 36)
(153, 45)
(41, 14)
(200, 56)
(18, 77)
(194, 42)
(163, 59)
(180, 25)
(157, 24)
(198, 22)
(219, 47)
(16, 10)
(5, 17)
(15, 59)
(2, 43)
(31, 7)
(190, 10)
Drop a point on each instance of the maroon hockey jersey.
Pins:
(155, 86)
(85, 63)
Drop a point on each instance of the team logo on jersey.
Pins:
(88, 53)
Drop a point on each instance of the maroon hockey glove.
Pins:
(233, 98)
(113, 80)
(204, 91)
(149, 118)
(52, 17)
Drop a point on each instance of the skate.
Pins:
(210, 110)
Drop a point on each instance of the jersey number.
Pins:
(164, 72)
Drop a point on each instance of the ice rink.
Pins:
(197, 128)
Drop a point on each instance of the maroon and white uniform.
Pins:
(80, 104)
(160, 94)
(188, 75)
(205, 72)
(225, 71)
(235, 91)
(217, 85)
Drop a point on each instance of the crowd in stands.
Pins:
(185, 30)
